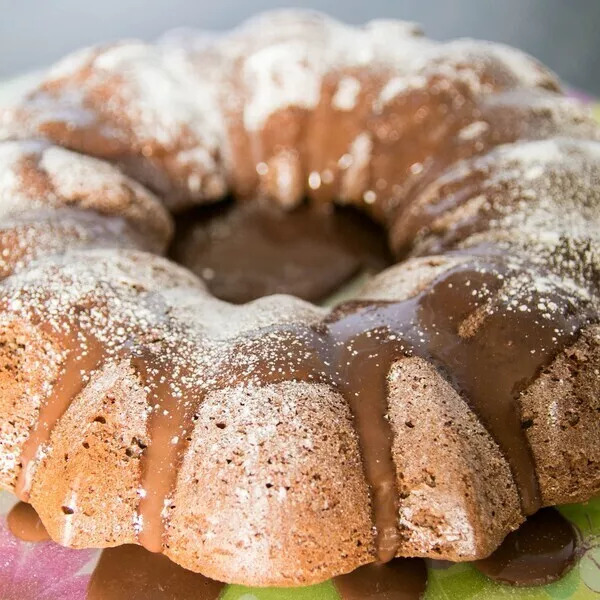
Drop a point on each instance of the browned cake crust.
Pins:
(242, 441)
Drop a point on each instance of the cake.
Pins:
(277, 442)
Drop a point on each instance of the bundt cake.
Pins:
(277, 442)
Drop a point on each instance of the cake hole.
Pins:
(246, 250)
(67, 510)
(221, 425)
(100, 419)
(136, 448)
(527, 423)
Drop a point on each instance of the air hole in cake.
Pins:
(244, 250)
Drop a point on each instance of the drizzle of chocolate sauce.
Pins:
(84, 355)
(25, 524)
(541, 551)
(132, 573)
(246, 250)
(399, 579)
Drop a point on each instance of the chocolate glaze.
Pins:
(251, 249)
(490, 352)
(84, 355)
(132, 573)
(542, 550)
(168, 426)
(361, 357)
(25, 523)
(465, 322)
(399, 579)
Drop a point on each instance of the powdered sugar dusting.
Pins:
(540, 196)
(551, 151)
(73, 176)
(397, 86)
(285, 66)
(280, 75)
(10, 183)
(355, 165)
(346, 94)
(72, 63)
(175, 106)
(35, 176)
(162, 83)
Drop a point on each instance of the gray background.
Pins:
(565, 34)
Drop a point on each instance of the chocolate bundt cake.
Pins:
(276, 442)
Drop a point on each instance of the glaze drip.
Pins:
(399, 579)
(170, 400)
(174, 394)
(83, 355)
(25, 524)
(132, 573)
(541, 551)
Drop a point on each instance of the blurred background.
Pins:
(564, 34)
